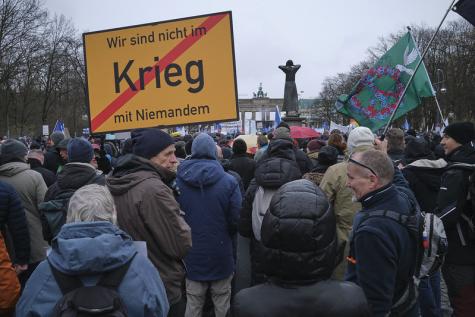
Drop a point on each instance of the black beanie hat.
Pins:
(12, 150)
(150, 142)
(80, 150)
(239, 146)
(461, 132)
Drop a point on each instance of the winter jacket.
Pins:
(31, 189)
(89, 249)
(72, 177)
(396, 155)
(211, 200)
(48, 176)
(382, 253)
(303, 161)
(9, 284)
(244, 166)
(299, 253)
(148, 211)
(424, 180)
(225, 164)
(13, 216)
(340, 197)
(53, 160)
(452, 205)
(272, 171)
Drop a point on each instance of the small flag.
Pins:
(466, 8)
(278, 118)
(374, 98)
(59, 126)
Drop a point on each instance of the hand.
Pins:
(381, 145)
(19, 268)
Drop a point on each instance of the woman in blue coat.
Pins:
(89, 245)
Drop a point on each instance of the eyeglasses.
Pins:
(362, 165)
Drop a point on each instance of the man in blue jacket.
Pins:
(211, 200)
(382, 255)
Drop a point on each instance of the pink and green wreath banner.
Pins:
(374, 98)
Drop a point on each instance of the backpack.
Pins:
(53, 214)
(260, 205)
(465, 201)
(101, 299)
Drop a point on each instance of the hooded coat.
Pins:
(31, 188)
(147, 211)
(211, 200)
(278, 167)
(300, 250)
(89, 249)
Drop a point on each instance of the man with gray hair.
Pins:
(93, 251)
(382, 257)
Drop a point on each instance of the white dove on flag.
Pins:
(409, 58)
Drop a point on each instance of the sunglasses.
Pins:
(362, 165)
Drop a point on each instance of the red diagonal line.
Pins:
(176, 52)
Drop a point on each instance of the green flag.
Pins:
(374, 98)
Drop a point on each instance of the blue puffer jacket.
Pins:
(90, 248)
(211, 199)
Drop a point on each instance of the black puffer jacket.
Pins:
(278, 168)
(300, 250)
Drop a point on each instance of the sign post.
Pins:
(162, 74)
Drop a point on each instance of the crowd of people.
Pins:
(197, 225)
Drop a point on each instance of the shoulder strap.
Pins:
(66, 283)
(113, 278)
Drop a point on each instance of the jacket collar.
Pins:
(374, 197)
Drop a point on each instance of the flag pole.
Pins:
(440, 111)
(415, 70)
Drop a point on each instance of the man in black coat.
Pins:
(241, 163)
(36, 159)
(300, 251)
(457, 214)
(382, 257)
(52, 158)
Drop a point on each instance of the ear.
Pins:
(374, 181)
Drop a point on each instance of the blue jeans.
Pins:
(429, 296)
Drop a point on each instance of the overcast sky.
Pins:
(325, 37)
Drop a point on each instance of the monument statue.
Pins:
(291, 106)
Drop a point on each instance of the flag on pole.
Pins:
(466, 8)
(59, 126)
(278, 118)
(374, 98)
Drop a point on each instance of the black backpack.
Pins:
(101, 299)
(465, 202)
(53, 214)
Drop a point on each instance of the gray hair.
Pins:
(379, 162)
(92, 203)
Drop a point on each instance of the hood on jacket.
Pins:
(299, 234)
(75, 175)
(200, 172)
(13, 168)
(282, 148)
(131, 170)
(90, 247)
(203, 147)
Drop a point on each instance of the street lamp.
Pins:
(440, 84)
